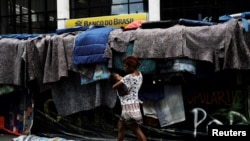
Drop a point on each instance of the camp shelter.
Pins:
(195, 76)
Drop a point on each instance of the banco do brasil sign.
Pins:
(114, 21)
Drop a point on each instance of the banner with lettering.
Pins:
(114, 21)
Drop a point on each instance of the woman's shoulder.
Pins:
(134, 74)
(138, 74)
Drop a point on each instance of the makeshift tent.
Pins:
(180, 63)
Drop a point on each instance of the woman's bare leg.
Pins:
(138, 132)
(121, 130)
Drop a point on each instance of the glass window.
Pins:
(79, 3)
(79, 13)
(136, 8)
(21, 7)
(28, 16)
(94, 3)
(119, 1)
(105, 7)
(34, 18)
(135, 0)
(100, 11)
(51, 5)
(38, 5)
(120, 9)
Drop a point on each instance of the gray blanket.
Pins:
(71, 97)
(236, 55)
(34, 59)
(118, 40)
(159, 42)
(199, 42)
(56, 63)
(49, 57)
(11, 52)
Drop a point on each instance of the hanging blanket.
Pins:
(58, 58)
(118, 41)
(71, 97)
(11, 52)
(169, 110)
(159, 42)
(199, 42)
(207, 42)
(147, 66)
(238, 52)
(94, 73)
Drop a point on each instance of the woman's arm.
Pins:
(117, 84)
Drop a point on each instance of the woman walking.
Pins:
(131, 116)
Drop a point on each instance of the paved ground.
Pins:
(6, 137)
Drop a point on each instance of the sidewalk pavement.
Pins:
(6, 137)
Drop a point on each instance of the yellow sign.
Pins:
(114, 21)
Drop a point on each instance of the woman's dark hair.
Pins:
(131, 61)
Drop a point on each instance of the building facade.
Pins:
(45, 16)
(173, 99)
